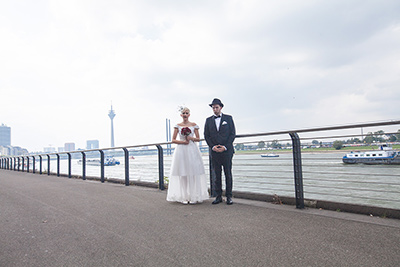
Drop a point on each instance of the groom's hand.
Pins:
(219, 148)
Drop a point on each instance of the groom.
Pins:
(220, 133)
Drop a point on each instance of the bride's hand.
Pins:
(186, 142)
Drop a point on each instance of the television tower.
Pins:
(111, 114)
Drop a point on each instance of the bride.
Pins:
(187, 182)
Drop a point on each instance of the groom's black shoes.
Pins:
(229, 201)
(217, 200)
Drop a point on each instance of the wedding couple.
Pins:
(187, 183)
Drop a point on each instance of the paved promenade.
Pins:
(56, 221)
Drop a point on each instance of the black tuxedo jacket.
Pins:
(225, 136)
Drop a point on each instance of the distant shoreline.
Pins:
(313, 150)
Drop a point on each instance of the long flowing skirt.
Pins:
(187, 181)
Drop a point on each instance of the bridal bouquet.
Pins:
(186, 131)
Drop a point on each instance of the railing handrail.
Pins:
(10, 162)
(328, 128)
(316, 129)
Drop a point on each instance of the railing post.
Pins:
(69, 165)
(212, 174)
(83, 166)
(33, 164)
(58, 165)
(48, 164)
(18, 163)
(40, 164)
(101, 166)
(23, 163)
(160, 168)
(27, 164)
(298, 172)
(126, 154)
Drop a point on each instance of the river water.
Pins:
(325, 177)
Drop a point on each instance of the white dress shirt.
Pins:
(218, 122)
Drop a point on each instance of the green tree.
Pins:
(275, 144)
(315, 142)
(353, 141)
(239, 146)
(337, 144)
(369, 139)
(261, 144)
(378, 136)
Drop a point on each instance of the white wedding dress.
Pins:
(187, 181)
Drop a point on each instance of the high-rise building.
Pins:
(111, 114)
(92, 144)
(5, 135)
(69, 147)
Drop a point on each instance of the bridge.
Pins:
(56, 221)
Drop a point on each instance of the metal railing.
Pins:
(17, 163)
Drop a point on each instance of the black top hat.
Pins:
(216, 101)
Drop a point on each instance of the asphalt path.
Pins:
(56, 221)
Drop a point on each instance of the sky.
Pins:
(276, 65)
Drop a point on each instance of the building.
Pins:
(111, 114)
(5, 135)
(92, 144)
(13, 151)
(69, 147)
(49, 149)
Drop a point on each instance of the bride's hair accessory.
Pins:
(182, 109)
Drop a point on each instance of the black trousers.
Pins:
(219, 160)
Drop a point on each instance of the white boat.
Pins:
(109, 161)
(386, 156)
(269, 155)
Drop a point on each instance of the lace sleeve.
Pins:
(196, 127)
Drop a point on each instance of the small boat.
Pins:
(385, 156)
(269, 155)
(109, 161)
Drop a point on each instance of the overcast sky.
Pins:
(276, 65)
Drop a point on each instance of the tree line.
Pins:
(376, 137)
(371, 137)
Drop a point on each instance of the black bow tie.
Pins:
(215, 117)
